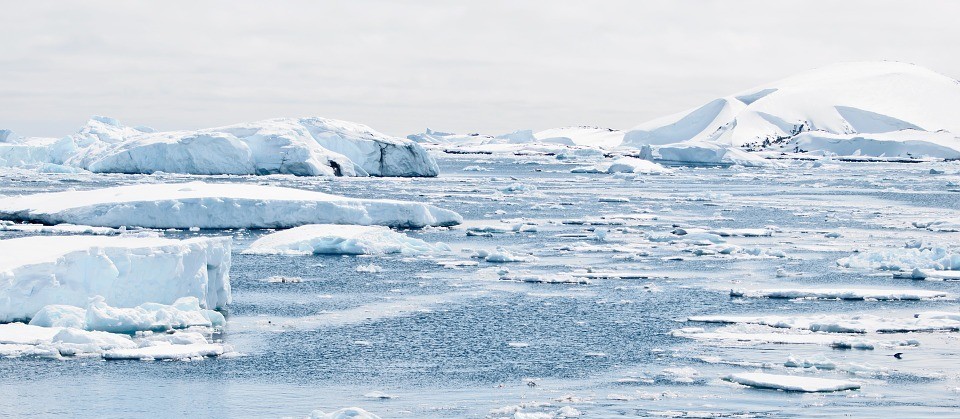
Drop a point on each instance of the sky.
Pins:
(404, 66)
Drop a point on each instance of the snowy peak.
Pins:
(848, 99)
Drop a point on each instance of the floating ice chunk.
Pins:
(213, 206)
(842, 294)
(821, 363)
(280, 279)
(347, 413)
(701, 238)
(680, 374)
(58, 229)
(183, 313)
(369, 268)
(58, 315)
(791, 382)
(501, 255)
(127, 271)
(903, 259)
(543, 279)
(71, 342)
(625, 165)
(168, 351)
(341, 240)
(518, 187)
(947, 226)
(843, 323)
(379, 395)
(18, 339)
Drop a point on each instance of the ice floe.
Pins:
(791, 382)
(624, 165)
(903, 259)
(345, 413)
(332, 239)
(842, 293)
(213, 206)
(845, 323)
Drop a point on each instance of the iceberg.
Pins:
(624, 165)
(217, 206)
(332, 239)
(126, 271)
(297, 146)
(842, 294)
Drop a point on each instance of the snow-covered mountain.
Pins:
(298, 146)
(882, 109)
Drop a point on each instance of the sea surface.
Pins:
(453, 336)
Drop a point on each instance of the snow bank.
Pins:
(298, 146)
(791, 382)
(842, 294)
(883, 109)
(126, 271)
(341, 239)
(903, 259)
(214, 206)
(624, 165)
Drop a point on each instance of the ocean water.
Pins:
(451, 342)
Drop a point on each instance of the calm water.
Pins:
(439, 338)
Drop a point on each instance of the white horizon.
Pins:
(402, 68)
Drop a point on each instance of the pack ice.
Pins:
(217, 206)
(877, 109)
(124, 271)
(298, 146)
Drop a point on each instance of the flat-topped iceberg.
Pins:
(217, 206)
(126, 271)
(791, 382)
(341, 240)
(298, 146)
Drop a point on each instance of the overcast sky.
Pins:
(403, 66)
